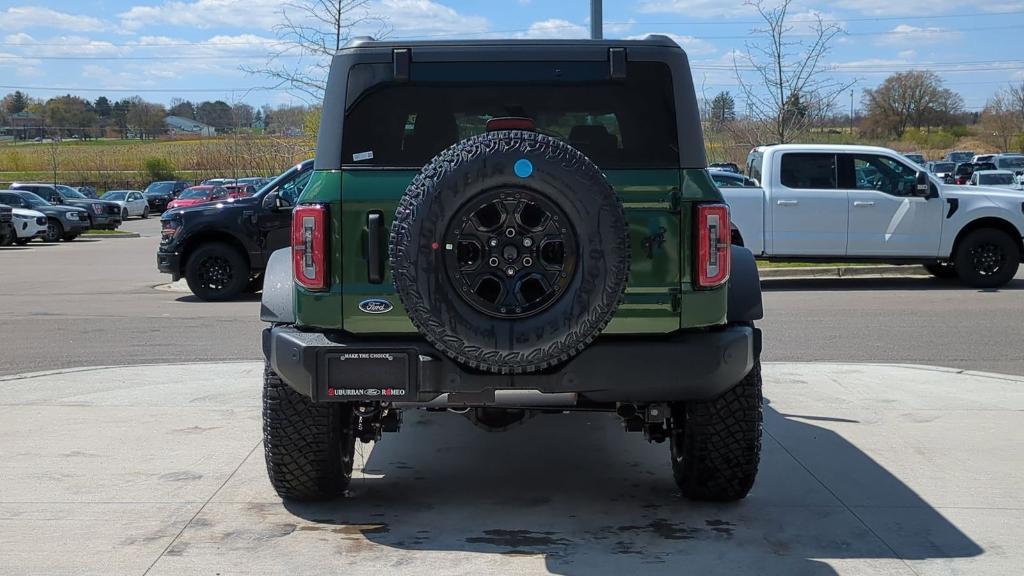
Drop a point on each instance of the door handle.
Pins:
(863, 203)
(374, 261)
(788, 202)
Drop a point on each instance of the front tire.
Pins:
(145, 212)
(987, 258)
(309, 447)
(54, 231)
(716, 444)
(216, 271)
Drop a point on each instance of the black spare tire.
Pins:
(510, 251)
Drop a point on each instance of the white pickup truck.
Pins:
(843, 203)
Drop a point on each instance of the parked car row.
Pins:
(33, 216)
(102, 215)
(19, 225)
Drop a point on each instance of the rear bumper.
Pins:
(685, 366)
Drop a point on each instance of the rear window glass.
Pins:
(808, 171)
(628, 123)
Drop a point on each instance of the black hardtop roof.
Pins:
(651, 40)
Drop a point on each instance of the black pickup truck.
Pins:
(222, 248)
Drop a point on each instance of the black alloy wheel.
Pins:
(511, 253)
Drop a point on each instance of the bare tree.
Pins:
(782, 76)
(1002, 119)
(311, 33)
(910, 99)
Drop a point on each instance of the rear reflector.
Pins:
(714, 236)
(309, 246)
(511, 123)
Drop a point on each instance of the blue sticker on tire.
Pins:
(523, 168)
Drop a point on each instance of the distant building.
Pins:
(179, 125)
(24, 126)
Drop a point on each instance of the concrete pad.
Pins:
(866, 469)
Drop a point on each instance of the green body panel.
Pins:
(659, 298)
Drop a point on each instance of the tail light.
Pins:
(309, 246)
(714, 235)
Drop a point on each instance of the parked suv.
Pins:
(7, 233)
(222, 248)
(503, 228)
(102, 215)
(62, 222)
(160, 194)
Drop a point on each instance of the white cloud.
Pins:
(696, 8)
(693, 46)
(555, 28)
(21, 17)
(412, 17)
(406, 17)
(907, 34)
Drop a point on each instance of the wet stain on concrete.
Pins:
(195, 429)
(183, 476)
(347, 529)
(664, 529)
(518, 539)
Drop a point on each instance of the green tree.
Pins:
(70, 115)
(16, 102)
(722, 110)
(216, 114)
(102, 107)
(182, 108)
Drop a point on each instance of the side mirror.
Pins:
(923, 187)
(270, 201)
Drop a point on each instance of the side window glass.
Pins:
(884, 175)
(808, 171)
(291, 190)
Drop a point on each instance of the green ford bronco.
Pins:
(506, 228)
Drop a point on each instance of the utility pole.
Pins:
(851, 112)
(595, 19)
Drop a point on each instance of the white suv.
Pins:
(28, 224)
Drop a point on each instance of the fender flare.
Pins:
(278, 303)
(744, 288)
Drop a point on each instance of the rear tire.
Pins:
(216, 271)
(716, 444)
(987, 258)
(309, 447)
(943, 270)
(124, 214)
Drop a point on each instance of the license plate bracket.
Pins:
(375, 375)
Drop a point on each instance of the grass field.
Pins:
(108, 164)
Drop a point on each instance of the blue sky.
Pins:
(193, 49)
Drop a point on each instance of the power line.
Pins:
(140, 90)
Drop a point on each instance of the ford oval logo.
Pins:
(375, 306)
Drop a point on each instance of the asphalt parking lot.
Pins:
(155, 466)
(866, 469)
(92, 302)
